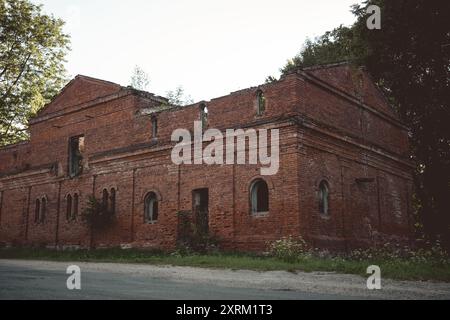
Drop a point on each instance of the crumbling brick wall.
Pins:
(334, 126)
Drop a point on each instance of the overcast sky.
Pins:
(211, 48)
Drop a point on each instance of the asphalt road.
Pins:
(47, 280)
(37, 284)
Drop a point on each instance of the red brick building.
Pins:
(344, 178)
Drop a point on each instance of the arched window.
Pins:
(113, 200)
(324, 197)
(76, 150)
(43, 210)
(69, 207)
(260, 103)
(154, 127)
(75, 205)
(105, 198)
(36, 211)
(151, 208)
(259, 197)
(204, 115)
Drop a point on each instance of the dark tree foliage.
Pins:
(409, 57)
(97, 215)
(32, 51)
(340, 44)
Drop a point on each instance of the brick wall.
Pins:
(332, 128)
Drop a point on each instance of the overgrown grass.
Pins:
(397, 268)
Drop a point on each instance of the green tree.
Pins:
(178, 97)
(340, 44)
(139, 79)
(409, 58)
(270, 79)
(32, 51)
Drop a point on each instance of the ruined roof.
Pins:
(83, 89)
(353, 80)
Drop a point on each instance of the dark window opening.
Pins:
(151, 208)
(105, 198)
(37, 209)
(204, 115)
(69, 207)
(43, 210)
(75, 205)
(154, 127)
(76, 149)
(112, 198)
(200, 203)
(324, 198)
(259, 194)
(261, 103)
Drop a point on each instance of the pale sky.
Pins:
(211, 48)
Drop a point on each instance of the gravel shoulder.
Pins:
(315, 282)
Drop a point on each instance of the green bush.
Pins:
(194, 237)
(289, 249)
(430, 253)
(97, 215)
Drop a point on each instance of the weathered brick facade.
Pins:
(335, 126)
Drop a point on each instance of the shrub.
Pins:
(192, 238)
(288, 248)
(431, 253)
(97, 215)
